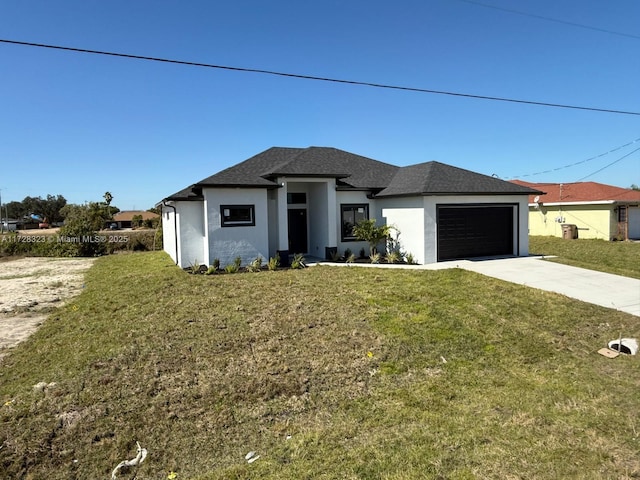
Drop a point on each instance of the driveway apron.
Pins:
(604, 289)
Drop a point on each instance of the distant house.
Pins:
(124, 218)
(598, 210)
(306, 200)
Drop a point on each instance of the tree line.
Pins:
(50, 207)
(54, 209)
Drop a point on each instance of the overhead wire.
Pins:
(317, 78)
(580, 162)
(609, 165)
(549, 19)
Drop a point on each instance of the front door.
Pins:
(297, 230)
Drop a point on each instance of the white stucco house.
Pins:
(306, 200)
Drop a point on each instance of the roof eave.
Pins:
(306, 175)
(238, 185)
(585, 202)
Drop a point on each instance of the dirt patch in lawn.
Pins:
(30, 288)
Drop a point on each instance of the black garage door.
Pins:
(474, 231)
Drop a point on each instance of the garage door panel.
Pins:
(474, 231)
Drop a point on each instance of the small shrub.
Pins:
(157, 239)
(237, 262)
(274, 263)
(255, 265)
(351, 258)
(232, 268)
(298, 261)
(410, 259)
(375, 257)
(335, 256)
(211, 270)
(362, 254)
(368, 231)
(194, 267)
(393, 257)
(133, 241)
(216, 263)
(347, 253)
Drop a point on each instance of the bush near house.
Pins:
(368, 231)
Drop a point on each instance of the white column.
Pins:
(283, 223)
(332, 220)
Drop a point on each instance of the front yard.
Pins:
(325, 373)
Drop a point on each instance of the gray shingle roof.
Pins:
(252, 172)
(261, 169)
(352, 172)
(435, 178)
(187, 193)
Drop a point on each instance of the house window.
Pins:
(622, 214)
(296, 198)
(350, 215)
(237, 215)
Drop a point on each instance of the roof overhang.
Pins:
(305, 175)
(236, 185)
(558, 204)
(449, 194)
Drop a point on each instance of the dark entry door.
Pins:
(298, 230)
(474, 231)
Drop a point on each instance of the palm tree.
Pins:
(368, 231)
(107, 199)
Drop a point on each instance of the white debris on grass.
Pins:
(134, 462)
(251, 457)
(42, 387)
(624, 345)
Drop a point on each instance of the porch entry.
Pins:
(298, 241)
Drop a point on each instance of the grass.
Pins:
(620, 258)
(325, 372)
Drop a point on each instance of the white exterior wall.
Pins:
(191, 233)
(188, 222)
(521, 220)
(318, 219)
(634, 222)
(272, 207)
(407, 216)
(169, 232)
(247, 242)
(354, 197)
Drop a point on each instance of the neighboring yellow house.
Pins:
(597, 210)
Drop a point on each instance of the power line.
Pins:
(607, 166)
(580, 162)
(323, 79)
(549, 19)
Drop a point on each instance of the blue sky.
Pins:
(78, 124)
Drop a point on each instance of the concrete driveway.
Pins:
(604, 289)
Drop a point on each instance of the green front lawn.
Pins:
(326, 373)
(620, 258)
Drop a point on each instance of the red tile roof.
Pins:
(581, 192)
